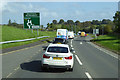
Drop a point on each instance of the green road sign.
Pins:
(31, 20)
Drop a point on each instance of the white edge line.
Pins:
(9, 75)
(88, 75)
(78, 60)
(105, 51)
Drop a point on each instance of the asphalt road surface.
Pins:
(90, 63)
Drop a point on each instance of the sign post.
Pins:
(32, 21)
(95, 31)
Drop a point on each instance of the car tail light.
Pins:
(70, 57)
(44, 56)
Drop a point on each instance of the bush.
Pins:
(108, 29)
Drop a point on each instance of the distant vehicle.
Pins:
(62, 33)
(79, 33)
(70, 34)
(58, 56)
(60, 41)
(82, 34)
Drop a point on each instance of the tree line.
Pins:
(14, 24)
(105, 26)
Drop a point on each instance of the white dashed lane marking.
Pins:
(80, 42)
(17, 68)
(73, 51)
(78, 60)
(88, 75)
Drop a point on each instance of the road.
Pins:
(90, 63)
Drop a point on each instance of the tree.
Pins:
(63, 26)
(106, 21)
(117, 21)
(96, 22)
(14, 24)
(107, 29)
(61, 21)
(51, 25)
(42, 27)
(70, 22)
(88, 23)
(9, 22)
(77, 22)
(54, 21)
(48, 25)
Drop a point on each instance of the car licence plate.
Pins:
(57, 58)
(58, 43)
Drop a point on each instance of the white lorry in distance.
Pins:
(62, 33)
(70, 34)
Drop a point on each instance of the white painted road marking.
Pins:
(71, 41)
(78, 60)
(104, 50)
(17, 68)
(20, 50)
(9, 75)
(80, 42)
(73, 51)
(88, 75)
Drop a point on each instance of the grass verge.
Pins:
(110, 42)
(11, 33)
(9, 45)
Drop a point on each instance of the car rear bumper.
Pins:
(56, 66)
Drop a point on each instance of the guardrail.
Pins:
(23, 40)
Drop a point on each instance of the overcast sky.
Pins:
(82, 11)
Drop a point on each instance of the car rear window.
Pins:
(59, 40)
(58, 49)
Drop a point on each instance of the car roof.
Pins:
(59, 38)
(59, 45)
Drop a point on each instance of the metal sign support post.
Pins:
(32, 30)
(96, 31)
(75, 28)
(95, 36)
(37, 32)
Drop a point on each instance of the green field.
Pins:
(111, 42)
(11, 33)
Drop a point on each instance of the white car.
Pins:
(70, 34)
(58, 56)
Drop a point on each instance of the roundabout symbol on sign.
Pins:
(29, 23)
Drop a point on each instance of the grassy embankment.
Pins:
(111, 42)
(11, 33)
